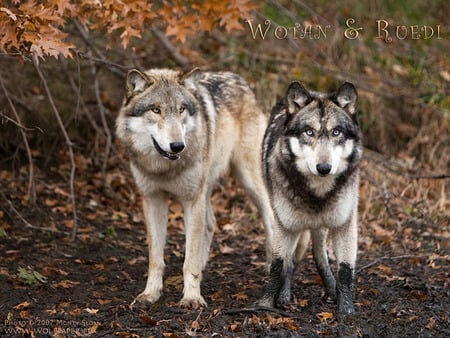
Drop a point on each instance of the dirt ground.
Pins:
(54, 287)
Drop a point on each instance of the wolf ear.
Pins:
(185, 75)
(297, 97)
(346, 97)
(136, 82)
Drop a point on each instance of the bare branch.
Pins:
(31, 190)
(28, 224)
(102, 111)
(180, 59)
(67, 139)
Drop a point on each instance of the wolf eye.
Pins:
(335, 132)
(182, 108)
(309, 132)
(156, 110)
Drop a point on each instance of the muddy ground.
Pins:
(52, 286)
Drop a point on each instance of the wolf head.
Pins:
(322, 131)
(156, 112)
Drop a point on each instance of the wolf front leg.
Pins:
(278, 290)
(155, 213)
(320, 254)
(197, 249)
(345, 243)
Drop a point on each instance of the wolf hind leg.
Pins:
(302, 245)
(247, 170)
(319, 239)
(210, 221)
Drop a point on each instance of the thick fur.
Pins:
(182, 131)
(311, 154)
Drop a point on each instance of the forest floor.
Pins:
(52, 286)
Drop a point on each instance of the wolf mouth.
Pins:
(164, 153)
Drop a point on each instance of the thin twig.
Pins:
(31, 191)
(256, 309)
(67, 139)
(102, 111)
(180, 59)
(113, 67)
(389, 258)
(7, 118)
(28, 224)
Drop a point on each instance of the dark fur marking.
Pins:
(345, 289)
(206, 117)
(277, 122)
(273, 288)
(299, 188)
(327, 278)
(285, 293)
(214, 87)
(190, 106)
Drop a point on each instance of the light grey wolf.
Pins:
(182, 130)
(311, 154)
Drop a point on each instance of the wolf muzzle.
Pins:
(323, 169)
(175, 147)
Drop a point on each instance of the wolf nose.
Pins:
(177, 147)
(323, 168)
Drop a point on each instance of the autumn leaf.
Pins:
(241, 296)
(325, 316)
(91, 311)
(66, 284)
(22, 305)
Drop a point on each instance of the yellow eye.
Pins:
(156, 110)
(182, 109)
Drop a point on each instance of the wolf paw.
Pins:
(264, 301)
(346, 309)
(284, 297)
(145, 298)
(193, 303)
(345, 305)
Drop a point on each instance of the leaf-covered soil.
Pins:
(52, 286)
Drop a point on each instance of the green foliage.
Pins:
(29, 276)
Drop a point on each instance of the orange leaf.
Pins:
(324, 316)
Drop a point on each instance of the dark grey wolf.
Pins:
(182, 130)
(311, 154)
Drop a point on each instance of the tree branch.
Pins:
(67, 139)
(180, 59)
(31, 190)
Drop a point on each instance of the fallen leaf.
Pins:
(225, 249)
(170, 335)
(148, 320)
(66, 284)
(91, 311)
(303, 302)
(22, 305)
(24, 314)
(104, 302)
(431, 324)
(241, 296)
(324, 316)
(234, 327)
(195, 325)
